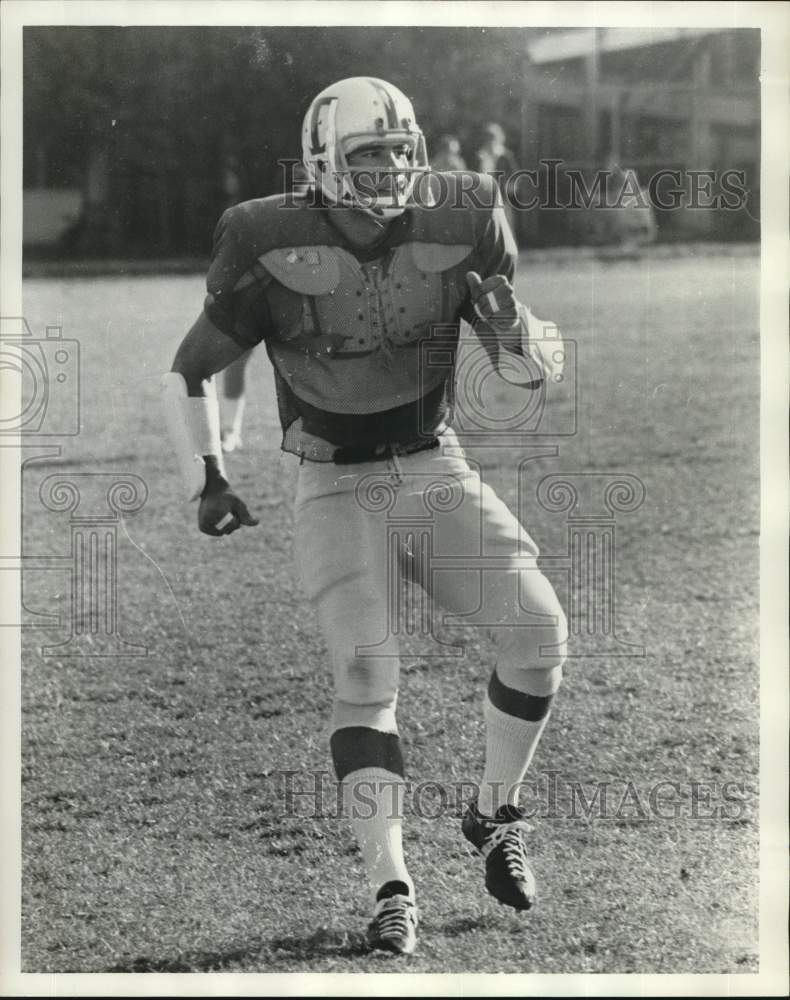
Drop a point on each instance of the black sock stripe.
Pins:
(530, 707)
(355, 747)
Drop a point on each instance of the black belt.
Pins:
(381, 452)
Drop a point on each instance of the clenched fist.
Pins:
(221, 512)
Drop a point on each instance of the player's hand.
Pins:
(545, 346)
(494, 300)
(221, 512)
(539, 357)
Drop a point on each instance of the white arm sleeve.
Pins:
(193, 424)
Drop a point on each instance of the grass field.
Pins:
(154, 834)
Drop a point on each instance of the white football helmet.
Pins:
(359, 112)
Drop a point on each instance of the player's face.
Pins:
(375, 167)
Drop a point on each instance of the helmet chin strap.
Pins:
(382, 224)
(349, 199)
(387, 214)
(379, 217)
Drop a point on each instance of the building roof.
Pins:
(579, 42)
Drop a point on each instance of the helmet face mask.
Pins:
(356, 115)
(383, 190)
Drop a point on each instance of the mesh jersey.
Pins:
(362, 342)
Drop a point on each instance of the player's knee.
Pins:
(543, 647)
(366, 694)
(364, 681)
(550, 650)
(534, 657)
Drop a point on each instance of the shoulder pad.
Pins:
(276, 222)
(434, 258)
(285, 238)
(463, 189)
(455, 210)
(308, 270)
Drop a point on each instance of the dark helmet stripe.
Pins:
(389, 104)
(316, 146)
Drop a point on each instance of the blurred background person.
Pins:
(230, 384)
(447, 154)
(493, 157)
(232, 401)
(623, 229)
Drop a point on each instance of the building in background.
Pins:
(136, 138)
(649, 100)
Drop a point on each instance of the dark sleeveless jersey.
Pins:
(362, 341)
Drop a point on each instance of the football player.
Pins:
(231, 389)
(345, 291)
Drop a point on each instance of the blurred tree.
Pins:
(145, 120)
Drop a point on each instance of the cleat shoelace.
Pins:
(392, 921)
(514, 848)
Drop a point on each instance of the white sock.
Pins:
(373, 801)
(510, 745)
(231, 412)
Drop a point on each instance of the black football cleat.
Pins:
(503, 843)
(394, 924)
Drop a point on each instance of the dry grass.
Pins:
(153, 828)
